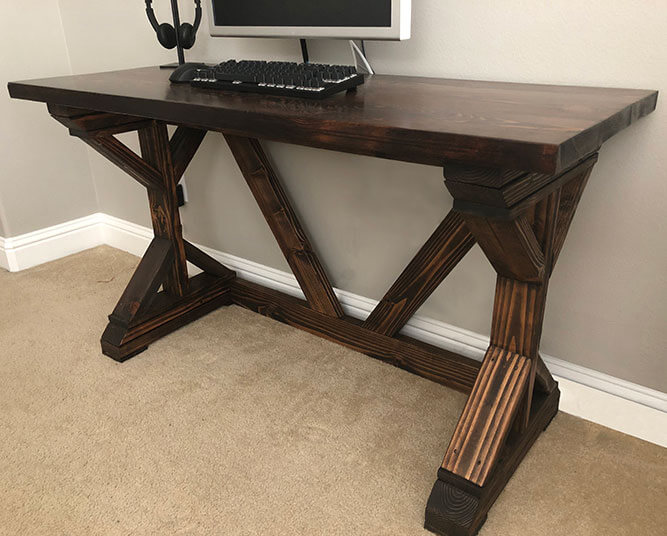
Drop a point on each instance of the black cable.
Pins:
(304, 50)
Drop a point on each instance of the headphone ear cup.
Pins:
(166, 35)
(187, 35)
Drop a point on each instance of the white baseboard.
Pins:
(592, 395)
(45, 245)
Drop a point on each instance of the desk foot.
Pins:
(452, 512)
(166, 314)
(457, 507)
(119, 353)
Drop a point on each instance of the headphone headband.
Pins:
(198, 15)
(186, 30)
(151, 15)
(155, 24)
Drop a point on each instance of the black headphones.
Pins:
(166, 33)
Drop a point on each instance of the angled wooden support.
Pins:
(207, 263)
(156, 171)
(502, 418)
(505, 381)
(97, 129)
(446, 247)
(487, 417)
(127, 160)
(570, 196)
(510, 246)
(143, 287)
(143, 314)
(184, 144)
(521, 251)
(284, 224)
(544, 216)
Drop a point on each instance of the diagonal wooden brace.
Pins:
(446, 247)
(487, 417)
(184, 144)
(284, 224)
(143, 287)
(207, 263)
(570, 196)
(127, 160)
(511, 246)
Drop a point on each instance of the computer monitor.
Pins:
(338, 19)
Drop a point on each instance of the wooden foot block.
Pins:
(451, 511)
(167, 313)
(457, 507)
(121, 354)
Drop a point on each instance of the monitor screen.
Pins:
(364, 13)
(345, 19)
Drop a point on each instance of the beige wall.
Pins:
(608, 302)
(45, 177)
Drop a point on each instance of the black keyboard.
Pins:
(309, 80)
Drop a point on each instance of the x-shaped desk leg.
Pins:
(514, 397)
(145, 313)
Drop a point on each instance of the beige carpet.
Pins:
(238, 425)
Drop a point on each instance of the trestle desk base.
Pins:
(520, 220)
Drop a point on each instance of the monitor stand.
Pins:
(360, 61)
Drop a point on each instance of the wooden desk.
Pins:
(516, 159)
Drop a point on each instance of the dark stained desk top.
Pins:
(426, 120)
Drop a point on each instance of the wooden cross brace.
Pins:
(521, 227)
